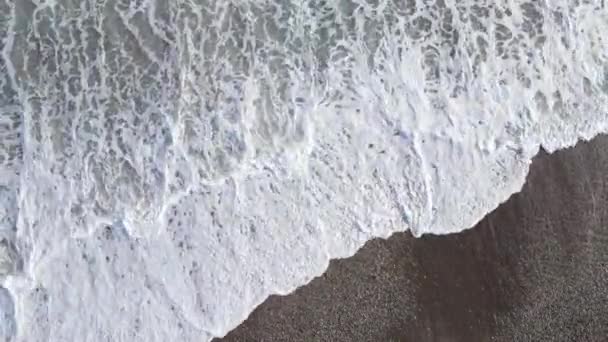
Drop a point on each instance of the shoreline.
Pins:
(533, 269)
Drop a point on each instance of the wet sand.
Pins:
(535, 269)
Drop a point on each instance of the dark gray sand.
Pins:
(535, 269)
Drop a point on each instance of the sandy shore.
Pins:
(535, 269)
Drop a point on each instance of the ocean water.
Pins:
(167, 165)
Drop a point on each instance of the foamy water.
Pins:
(167, 165)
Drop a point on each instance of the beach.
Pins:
(534, 269)
(168, 166)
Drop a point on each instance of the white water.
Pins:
(164, 168)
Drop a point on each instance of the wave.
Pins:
(166, 166)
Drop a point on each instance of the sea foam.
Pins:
(167, 165)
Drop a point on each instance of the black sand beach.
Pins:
(535, 269)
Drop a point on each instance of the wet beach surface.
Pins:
(535, 269)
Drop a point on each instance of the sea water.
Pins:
(167, 165)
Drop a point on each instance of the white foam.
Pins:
(172, 164)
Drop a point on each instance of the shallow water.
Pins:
(531, 270)
(165, 166)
